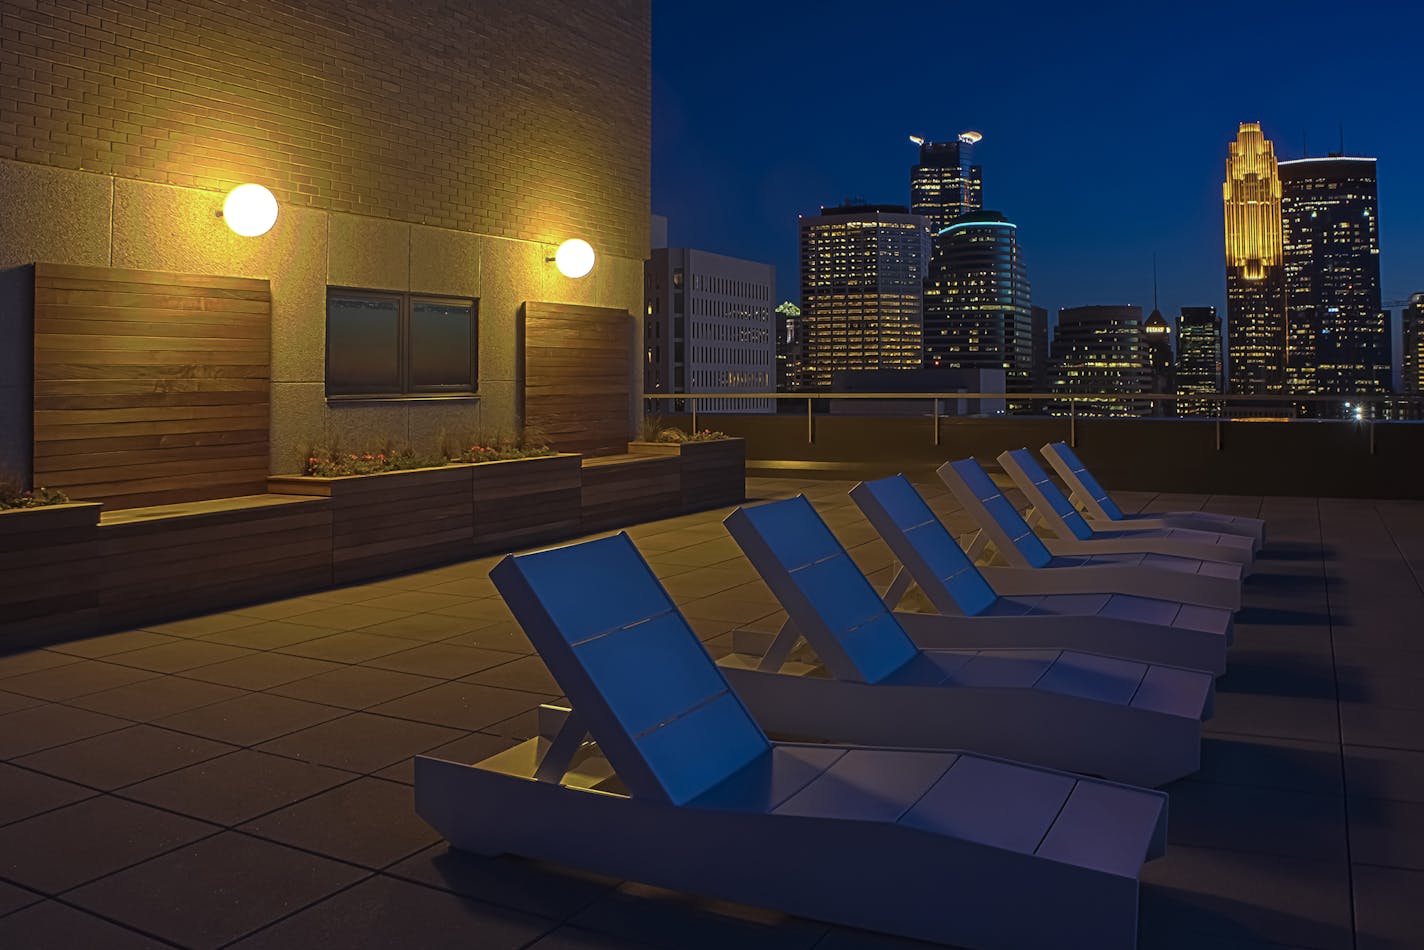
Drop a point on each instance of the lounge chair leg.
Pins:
(786, 639)
(900, 585)
(976, 545)
(560, 753)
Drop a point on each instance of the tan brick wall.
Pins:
(510, 118)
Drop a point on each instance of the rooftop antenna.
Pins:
(1154, 282)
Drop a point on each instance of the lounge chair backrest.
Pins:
(1046, 496)
(1072, 470)
(924, 546)
(635, 672)
(979, 495)
(824, 593)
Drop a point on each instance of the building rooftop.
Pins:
(244, 778)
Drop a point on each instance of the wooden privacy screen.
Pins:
(150, 388)
(577, 389)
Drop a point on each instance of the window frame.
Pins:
(406, 302)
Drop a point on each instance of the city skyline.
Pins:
(1053, 137)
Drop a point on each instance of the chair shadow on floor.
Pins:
(1296, 551)
(1175, 918)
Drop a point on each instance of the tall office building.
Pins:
(1338, 341)
(708, 328)
(1157, 338)
(862, 284)
(1412, 320)
(1039, 316)
(977, 309)
(790, 347)
(946, 183)
(1198, 359)
(1101, 351)
(1255, 298)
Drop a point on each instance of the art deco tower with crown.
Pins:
(1255, 286)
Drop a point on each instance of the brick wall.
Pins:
(504, 117)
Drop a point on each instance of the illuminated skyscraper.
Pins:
(1338, 342)
(1098, 351)
(1255, 303)
(1198, 359)
(1157, 338)
(1412, 318)
(977, 309)
(862, 283)
(945, 184)
(790, 347)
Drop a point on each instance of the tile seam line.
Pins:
(1339, 725)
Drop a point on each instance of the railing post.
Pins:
(693, 403)
(936, 420)
(1073, 423)
(810, 430)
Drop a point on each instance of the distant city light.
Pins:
(970, 137)
(917, 140)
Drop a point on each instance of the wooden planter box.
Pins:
(394, 521)
(174, 561)
(523, 502)
(49, 574)
(714, 474)
(620, 490)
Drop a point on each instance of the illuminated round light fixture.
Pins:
(250, 210)
(971, 137)
(574, 258)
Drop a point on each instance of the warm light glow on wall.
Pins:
(250, 210)
(1252, 192)
(574, 258)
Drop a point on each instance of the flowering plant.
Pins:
(13, 496)
(334, 464)
(674, 434)
(500, 453)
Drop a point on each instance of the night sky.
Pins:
(1105, 125)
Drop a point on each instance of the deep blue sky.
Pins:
(1105, 124)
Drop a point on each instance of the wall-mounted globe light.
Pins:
(250, 210)
(574, 258)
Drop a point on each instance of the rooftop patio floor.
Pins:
(243, 778)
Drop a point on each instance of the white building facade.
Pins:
(709, 329)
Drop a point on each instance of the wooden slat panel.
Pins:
(150, 388)
(577, 376)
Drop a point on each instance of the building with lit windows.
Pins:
(1157, 337)
(977, 309)
(946, 183)
(1412, 325)
(1255, 285)
(862, 284)
(1039, 316)
(1198, 359)
(790, 348)
(709, 328)
(1338, 341)
(1100, 350)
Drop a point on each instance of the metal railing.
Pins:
(1366, 410)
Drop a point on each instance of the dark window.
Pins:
(385, 344)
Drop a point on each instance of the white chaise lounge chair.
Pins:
(683, 790)
(969, 611)
(1031, 568)
(1124, 720)
(1085, 492)
(1073, 534)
